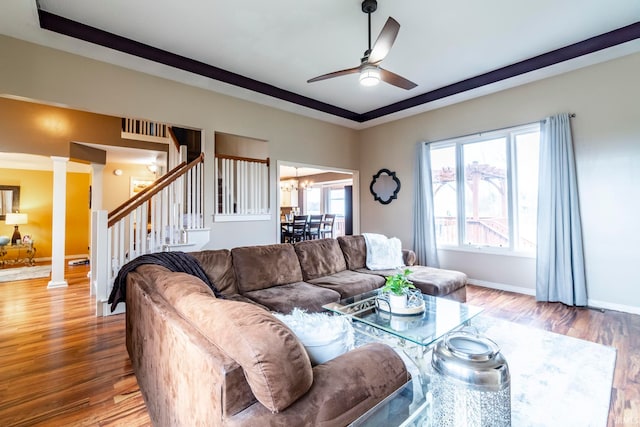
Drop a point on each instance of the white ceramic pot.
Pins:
(399, 323)
(397, 302)
(323, 349)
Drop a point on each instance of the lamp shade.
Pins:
(16, 218)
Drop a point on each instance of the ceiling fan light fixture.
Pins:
(370, 75)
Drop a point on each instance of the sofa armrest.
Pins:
(184, 377)
(343, 389)
(409, 257)
(356, 381)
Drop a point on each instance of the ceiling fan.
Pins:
(370, 71)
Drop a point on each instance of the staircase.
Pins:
(165, 216)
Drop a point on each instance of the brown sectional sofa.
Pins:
(431, 281)
(201, 360)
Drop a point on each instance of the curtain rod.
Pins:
(571, 116)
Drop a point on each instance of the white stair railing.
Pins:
(242, 186)
(157, 219)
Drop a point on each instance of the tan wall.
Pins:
(234, 145)
(52, 76)
(606, 134)
(117, 189)
(33, 128)
(36, 201)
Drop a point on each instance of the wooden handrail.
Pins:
(164, 177)
(176, 173)
(245, 159)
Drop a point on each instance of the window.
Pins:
(313, 200)
(485, 189)
(336, 201)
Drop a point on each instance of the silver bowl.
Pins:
(4, 240)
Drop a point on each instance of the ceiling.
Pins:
(137, 156)
(266, 51)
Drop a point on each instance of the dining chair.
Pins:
(298, 230)
(326, 229)
(313, 227)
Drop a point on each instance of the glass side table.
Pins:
(17, 254)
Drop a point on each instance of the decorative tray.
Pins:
(415, 305)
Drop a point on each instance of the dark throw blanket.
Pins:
(174, 261)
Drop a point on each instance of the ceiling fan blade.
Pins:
(384, 41)
(396, 80)
(335, 74)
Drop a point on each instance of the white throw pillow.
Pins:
(383, 253)
(324, 336)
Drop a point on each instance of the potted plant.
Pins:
(396, 287)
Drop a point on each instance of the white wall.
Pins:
(52, 76)
(606, 133)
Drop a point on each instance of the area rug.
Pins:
(23, 273)
(555, 380)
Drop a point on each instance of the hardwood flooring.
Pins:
(59, 364)
(62, 366)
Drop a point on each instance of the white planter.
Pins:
(397, 302)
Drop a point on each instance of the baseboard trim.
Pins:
(43, 259)
(502, 287)
(594, 304)
(613, 306)
(103, 309)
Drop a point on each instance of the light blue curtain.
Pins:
(424, 226)
(560, 272)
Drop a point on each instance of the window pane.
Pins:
(527, 146)
(486, 193)
(336, 201)
(443, 167)
(312, 197)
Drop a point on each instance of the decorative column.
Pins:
(58, 222)
(96, 205)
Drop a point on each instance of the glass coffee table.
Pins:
(414, 336)
(424, 329)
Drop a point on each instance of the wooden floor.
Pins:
(62, 366)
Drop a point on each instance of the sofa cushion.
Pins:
(430, 281)
(436, 281)
(355, 251)
(274, 361)
(260, 267)
(320, 258)
(218, 265)
(349, 283)
(302, 295)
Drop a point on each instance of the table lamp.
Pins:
(16, 219)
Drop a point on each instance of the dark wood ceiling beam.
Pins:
(90, 34)
(585, 47)
(78, 30)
